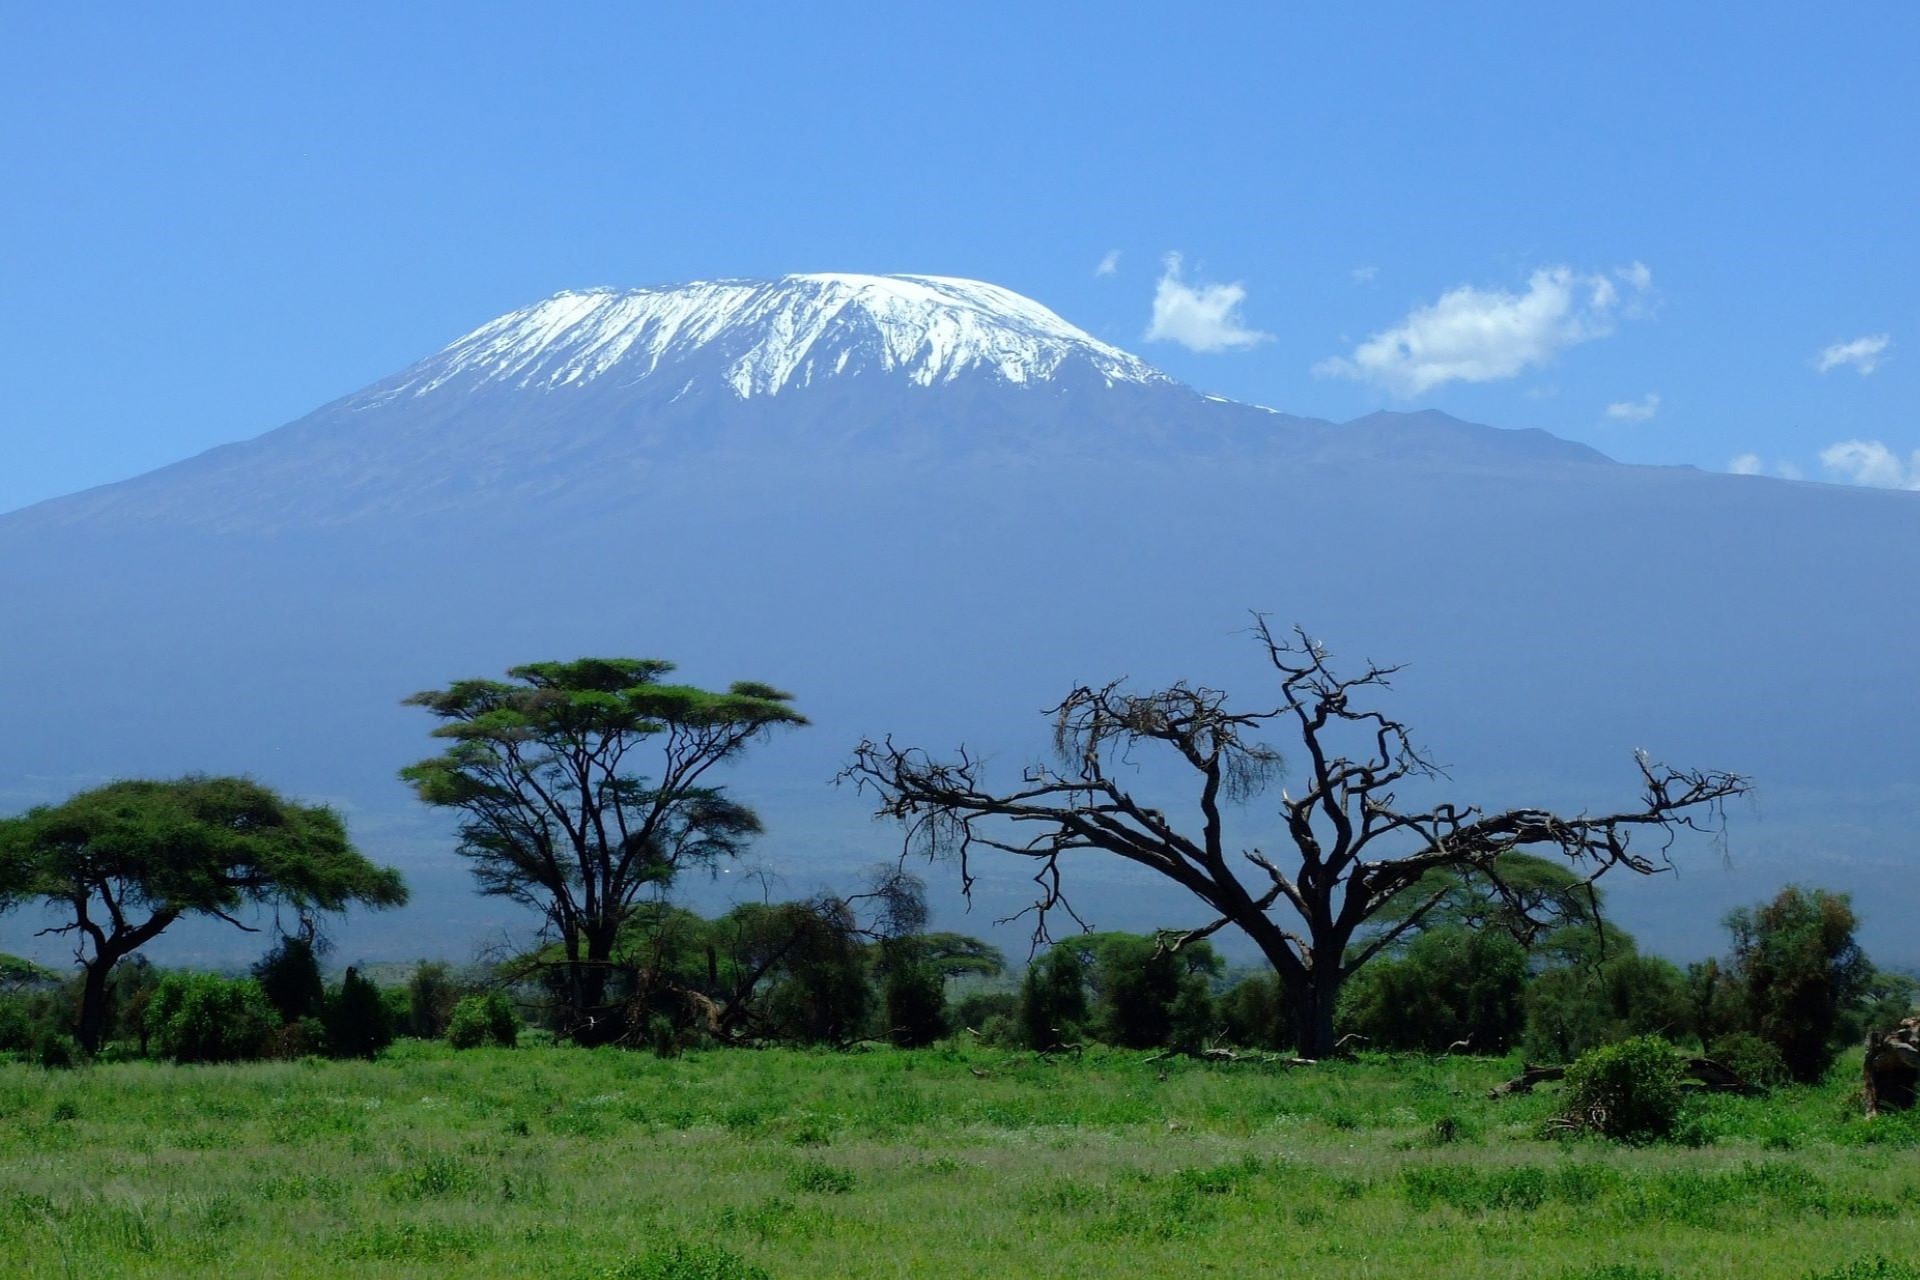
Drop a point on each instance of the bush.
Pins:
(359, 1024)
(1053, 998)
(1750, 1058)
(202, 1017)
(431, 997)
(482, 1021)
(1450, 984)
(1628, 1091)
(1251, 1013)
(916, 1003)
(1582, 1006)
(306, 1038)
(290, 976)
(55, 1050)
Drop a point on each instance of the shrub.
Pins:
(289, 975)
(481, 1021)
(1582, 1006)
(916, 1003)
(431, 997)
(306, 1038)
(55, 1050)
(1750, 1058)
(358, 1022)
(1628, 1091)
(1250, 1013)
(202, 1017)
(977, 1008)
(1450, 984)
(1053, 998)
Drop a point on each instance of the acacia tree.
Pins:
(123, 862)
(1355, 848)
(555, 818)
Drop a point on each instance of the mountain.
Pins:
(929, 506)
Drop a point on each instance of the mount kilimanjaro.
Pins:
(929, 507)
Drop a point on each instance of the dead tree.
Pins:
(1355, 847)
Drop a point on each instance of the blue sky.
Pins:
(214, 219)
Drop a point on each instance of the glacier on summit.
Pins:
(761, 337)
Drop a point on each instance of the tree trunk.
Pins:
(92, 1029)
(1310, 1005)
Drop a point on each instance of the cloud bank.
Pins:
(1487, 335)
(1200, 317)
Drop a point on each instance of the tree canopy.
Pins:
(121, 863)
(543, 767)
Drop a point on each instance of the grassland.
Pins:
(947, 1162)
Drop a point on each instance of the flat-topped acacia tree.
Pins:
(123, 862)
(1355, 848)
(544, 767)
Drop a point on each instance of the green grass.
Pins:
(740, 1165)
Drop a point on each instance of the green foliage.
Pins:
(541, 765)
(289, 975)
(358, 1021)
(432, 994)
(1751, 1058)
(1575, 1008)
(681, 1261)
(915, 1002)
(1053, 998)
(1799, 968)
(1252, 1013)
(483, 1021)
(127, 860)
(1136, 982)
(55, 1050)
(203, 1017)
(1450, 984)
(1629, 1091)
(1878, 1267)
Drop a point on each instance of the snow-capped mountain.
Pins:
(930, 507)
(586, 392)
(760, 337)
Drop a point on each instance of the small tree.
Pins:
(125, 861)
(358, 1022)
(432, 995)
(554, 815)
(1799, 969)
(1053, 998)
(1356, 847)
(289, 974)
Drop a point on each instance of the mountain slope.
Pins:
(937, 535)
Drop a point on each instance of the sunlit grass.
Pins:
(947, 1162)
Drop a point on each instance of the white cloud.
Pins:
(1201, 317)
(1635, 410)
(1871, 463)
(1109, 264)
(1747, 464)
(1486, 335)
(1862, 353)
(1364, 275)
(1787, 471)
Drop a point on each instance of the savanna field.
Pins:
(951, 1161)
